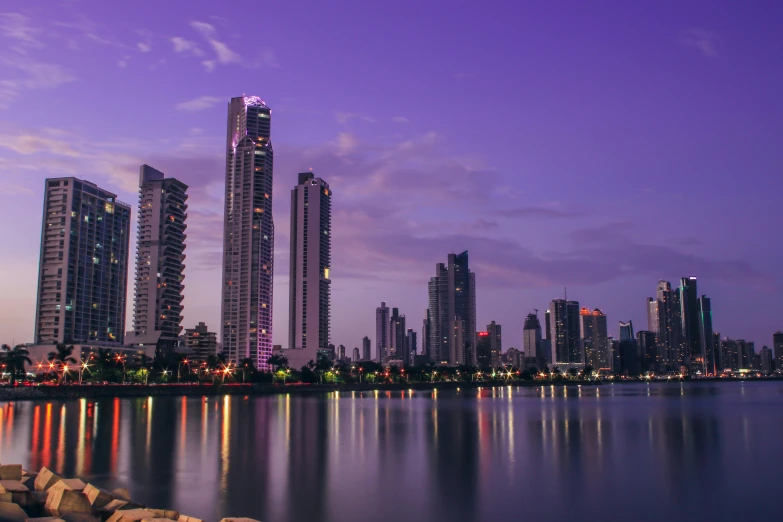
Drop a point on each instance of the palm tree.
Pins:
(15, 359)
(215, 363)
(277, 361)
(62, 356)
(102, 359)
(248, 367)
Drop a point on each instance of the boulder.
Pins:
(73, 484)
(121, 493)
(11, 472)
(185, 518)
(158, 520)
(45, 479)
(118, 504)
(10, 512)
(98, 497)
(39, 496)
(80, 517)
(239, 520)
(29, 481)
(165, 513)
(6, 497)
(20, 494)
(62, 500)
(131, 515)
(45, 519)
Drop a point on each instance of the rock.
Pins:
(45, 479)
(239, 520)
(29, 481)
(185, 518)
(165, 513)
(39, 496)
(10, 512)
(20, 494)
(98, 497)
(45, 519)
(6, 497)
(157, 520)
(73, 484)
(131, 515)
(62, 500)
(11, 472)
(80, 517)
(117, 504)
(122, 493)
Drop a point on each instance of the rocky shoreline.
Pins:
(47, 497)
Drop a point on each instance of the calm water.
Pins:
(628, 452)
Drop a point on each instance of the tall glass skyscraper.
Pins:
(83, 271)
(452, 311)
(249, 233)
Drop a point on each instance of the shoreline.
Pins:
(68, 392)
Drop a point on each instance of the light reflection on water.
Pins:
(640, 452)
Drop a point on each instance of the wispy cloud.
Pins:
(25, 73)
(17, 27)
(345, 117)
(701, 39)
(199, 104)
(537, 212)
(400, 119)
(183, 45)
(223, 53)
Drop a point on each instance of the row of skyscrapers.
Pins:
(83, 270)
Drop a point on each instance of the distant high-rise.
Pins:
(249, 234)
(341, 352)
(664, 319)
(452, 310)
(531, 338)
(425, 335)
(648, 350)
(83, 266)
(412, 348)
(563, 323)
(777, 345)
(626, 331)
(311, 260)
(495, 343)
(200, 342)
(695, 358)
(594, 333)
(766, 362)
(398, 337)
(483, 350)
(160, 260)
(707, 346)
(356, 354)
(382, 337)
(366, 349)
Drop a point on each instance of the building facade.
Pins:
(664, 319)
(200, 343)
(366, 349)
(594, 334)
(249, 234)
(483, 351)
(83, 265)
(495, 344)
(398, 340)
(452, 312)
(531, 339)
(777, 346)
(356, 357)
(160, 260)
(311, 255)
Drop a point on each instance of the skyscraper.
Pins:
(83, 267)
(412, 346)
(382, 341)
(398, 340)
(356, 354)
(777, 345)
(648, 350)
(766, 362)
(495, 343)
(483, 351)
(249, 234)
(311, 253)
(690, 313)
(452, 310)
(366, 349)
(626, 331)
(160, 260)
(594, 333)
(425, 335)
(563, 323)
(706, 344)
(664, 319)
(531, 338)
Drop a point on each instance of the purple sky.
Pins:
(599, 145)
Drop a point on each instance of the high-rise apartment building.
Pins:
(356, 355)
(452, 311)
(495, 344)
(626, 331)
(765, 361)
(398, 340)
(412, 345)
(366, 349)
(563, 324)
(200, 342)
(594, 334)
(160, 260)
(707, 346)
(648, 350)
(531, 339)
(83, 267)
(382, 337)
(311, 253)
(249, 234)
(425, 335)
(483, 351)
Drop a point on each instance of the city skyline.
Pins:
(398, 216)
